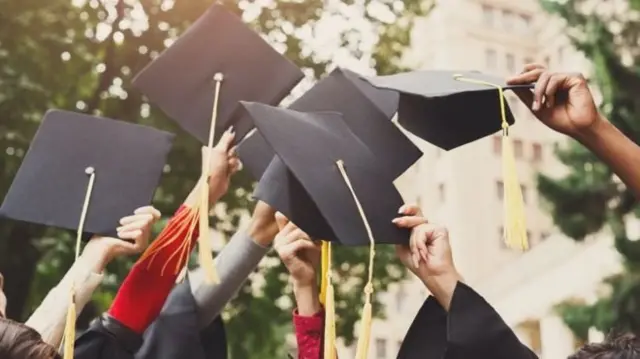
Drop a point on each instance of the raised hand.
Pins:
(561, 101)
(224, 163)
(133, 238)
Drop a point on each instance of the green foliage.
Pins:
(589, 198)
(81, 55)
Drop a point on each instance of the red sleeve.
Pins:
(309, 333)
(145, 289)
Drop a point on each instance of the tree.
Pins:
(590, 197)
(81, 55)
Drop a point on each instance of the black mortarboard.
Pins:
(181, 80)
(51, 184)
(309, 144)
(452, 108)
(448, 108)
(366, 110)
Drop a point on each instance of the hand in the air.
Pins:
(224, 163)
(561, 101)
(133, 233)
(297, 251)
(428, 253)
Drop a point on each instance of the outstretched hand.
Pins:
(561, 101)
(224, 163)
(133, 238)
(429, 251)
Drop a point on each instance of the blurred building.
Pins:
(463, 190)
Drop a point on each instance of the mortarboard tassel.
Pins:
(70, 326)
(324, 267)
(205, 253)
(197, 214)
(515, 228)
(365, 321)
(328, 300)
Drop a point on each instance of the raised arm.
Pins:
(564, 102)
(87, 273)
(237, 260)
(301, 256)
(461, 324)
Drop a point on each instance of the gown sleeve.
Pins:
(471, 329)
(475, 329)
(107, 338)
(309, 334)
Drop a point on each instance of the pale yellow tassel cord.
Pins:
(515, 228)
(70, 326)
(365, 322)
(205, 253)
(329, 302)
(324, 267)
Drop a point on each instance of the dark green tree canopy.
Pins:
(82, 54)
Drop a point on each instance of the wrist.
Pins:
(263, 228)
(443, 285)
(591, 136)
(307, 300)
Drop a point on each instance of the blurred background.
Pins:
(581, 277)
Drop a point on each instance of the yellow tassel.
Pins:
(330, 325)
(70, 328)
(365, 325)
(324, 267)
(515, 228)
(205, 252)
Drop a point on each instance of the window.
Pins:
(547, 62)
(487, 15)
(381, 348)
(503, 243)
(511, 63)
(419, 202)
(544, 235)
(529, 237)
(537, 152)
(528, 60)
(518, 149)
(491, 59)
(523, 189)
(508, 20)
(500, 190)
(497, 145)
(442, 194)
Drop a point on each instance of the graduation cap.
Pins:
(341, 176)
(85, 173)
(217, 62)
(199, 81)
(452, 108)
(366, 110)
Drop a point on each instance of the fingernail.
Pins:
(402, 209)
(535, 105)
(395, 220)
(231, 129)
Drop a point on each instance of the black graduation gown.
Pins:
(173, 335)
(472, 329)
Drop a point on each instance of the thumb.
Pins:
(281, 220)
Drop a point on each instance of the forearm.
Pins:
(49, 318)
(234, 264)
(615, 149)
(307, 299)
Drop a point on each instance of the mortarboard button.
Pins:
(448, 108)
(182, 80)
(70, 149)
(310, 145)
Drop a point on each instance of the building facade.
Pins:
(462, 189)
